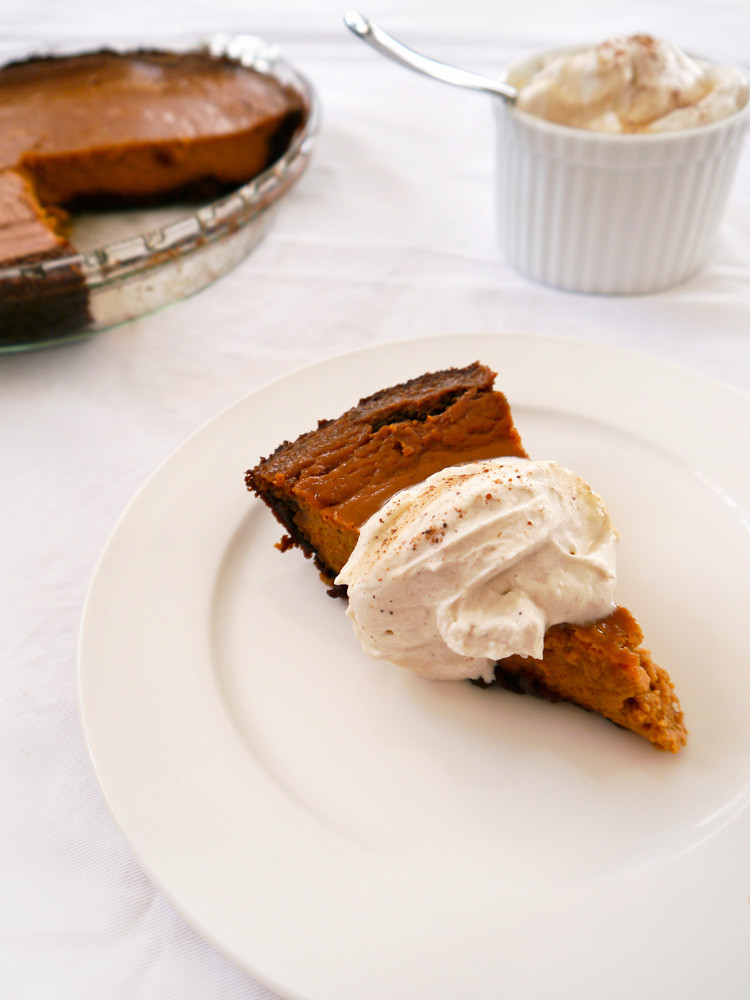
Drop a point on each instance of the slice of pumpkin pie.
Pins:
(461, 557)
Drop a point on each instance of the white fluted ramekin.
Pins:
(611, 214)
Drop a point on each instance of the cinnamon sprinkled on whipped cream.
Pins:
(476, 563)
(633, 84)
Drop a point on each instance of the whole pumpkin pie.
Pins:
(325, 485)
(105, 129)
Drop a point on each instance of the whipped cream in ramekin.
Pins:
(634, 84)
(476, 563)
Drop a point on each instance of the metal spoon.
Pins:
(388, 46)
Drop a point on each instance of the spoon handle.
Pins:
(388, 46)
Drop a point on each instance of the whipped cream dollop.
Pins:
(634, 84)
(476, 562)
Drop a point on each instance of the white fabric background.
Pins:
(388, 236)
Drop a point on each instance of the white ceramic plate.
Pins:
(342, 829)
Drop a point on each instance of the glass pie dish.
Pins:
(129, 262)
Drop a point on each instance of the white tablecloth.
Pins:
(388, 236)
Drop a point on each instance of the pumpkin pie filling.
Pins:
(326, 484)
